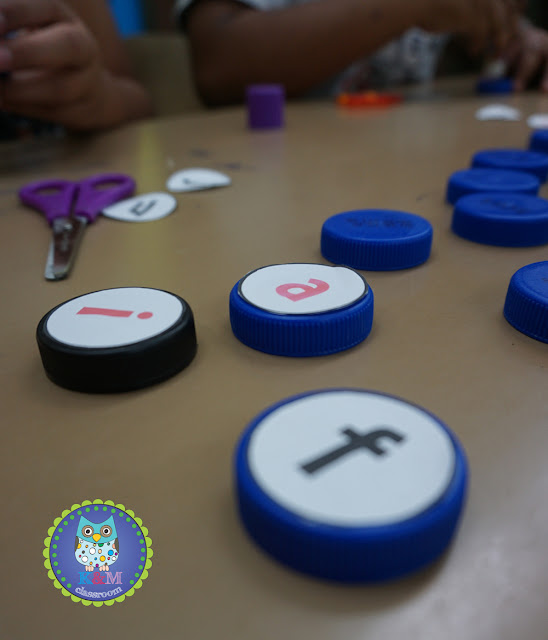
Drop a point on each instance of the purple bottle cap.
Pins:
(265, 106)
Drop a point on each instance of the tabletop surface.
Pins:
(439, 339)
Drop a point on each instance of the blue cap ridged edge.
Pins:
(494, 86)
(503, 232)
(301, 335)
(374, 254)
(538, 141)
(340, 554)
(455, 190)
(539, 170)
(523, 312)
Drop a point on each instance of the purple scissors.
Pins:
(69, 207)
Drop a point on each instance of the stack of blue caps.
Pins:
(495, 201)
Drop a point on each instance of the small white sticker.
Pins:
(302, 288)
(498, 112)
(114, 317)
(197, 180)
(495, 69)
(538, 121)
(143, 208)
(352, 458)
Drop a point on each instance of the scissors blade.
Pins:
(67, 235)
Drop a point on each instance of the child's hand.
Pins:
(527, 56)
(486, 25)
(56, 69)
(53, 61)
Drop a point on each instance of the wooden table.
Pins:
(439, 339)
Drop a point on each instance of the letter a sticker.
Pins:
(301, 289)
(314, 288)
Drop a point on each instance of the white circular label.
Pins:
(144, 208)
(352, 458)
(114, 317)
(538, 121)
(495, 69)
(302, 288)
(196, 180)
(498, 112)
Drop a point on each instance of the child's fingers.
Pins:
(54, 47)
(43, 89)
(44, 113)
(73, 116)
(527, 64)
(20, 14)
(77, 114)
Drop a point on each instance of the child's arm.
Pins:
(300, 46)
(67, 65)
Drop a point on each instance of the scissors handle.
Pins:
(98, 192)
(53, 198)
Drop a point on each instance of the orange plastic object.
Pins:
(368, 99)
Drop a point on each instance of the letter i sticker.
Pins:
(98, 553)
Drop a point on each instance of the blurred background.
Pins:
(538, 12)
(154, 42)
(136, 16)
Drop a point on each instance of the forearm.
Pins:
(299, 47)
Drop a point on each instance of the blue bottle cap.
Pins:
(301, 309)
(502, 219)
(466, 181)
(514, 160)
(495, 85)
(539, 141)
(376, 239)
(350, 485)
(526, 305)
